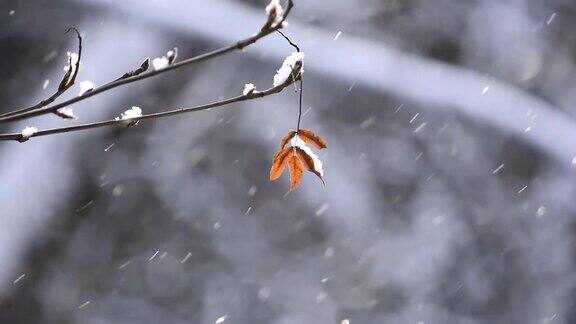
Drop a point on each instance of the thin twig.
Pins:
(289, 41)
(301, 82)
(25, 113)
(300, 104)
(64, 84)
(113, 122)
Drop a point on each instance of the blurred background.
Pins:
(450, 169)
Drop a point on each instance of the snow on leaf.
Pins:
(297, 141)
(310, 162)
(299, 157)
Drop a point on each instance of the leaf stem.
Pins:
(293, 77)
(300, 104)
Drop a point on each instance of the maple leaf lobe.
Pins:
(296, 170)
(312, 139)
(279, 163)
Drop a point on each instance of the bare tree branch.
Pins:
(32, 112)
(120, 122)
(67, 81)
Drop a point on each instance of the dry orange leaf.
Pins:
(278, 163)
(287, 138)
(308, 163)
(310, 138)
(296, 169)
(298, 156)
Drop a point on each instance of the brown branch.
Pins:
(267, 30)
(121, 122)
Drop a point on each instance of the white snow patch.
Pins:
(27, 132)
(296, 141)
(67, 112)
(160, 63)
(274, 10)
(85, 86)
(249, 88)
(288, 67)
(72, 61)
(72, 65)
(129, 114)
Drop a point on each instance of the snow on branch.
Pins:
(276, 19)
(292, 66)
(132, 116)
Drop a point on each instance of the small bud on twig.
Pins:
(249, 88)
(27, 132)
(73, 65)
(143, 68)
(292, 66)
(274, 11)
(66, 113)
(130, 114)
(160, 63)
(172, 55)
(85, 86)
